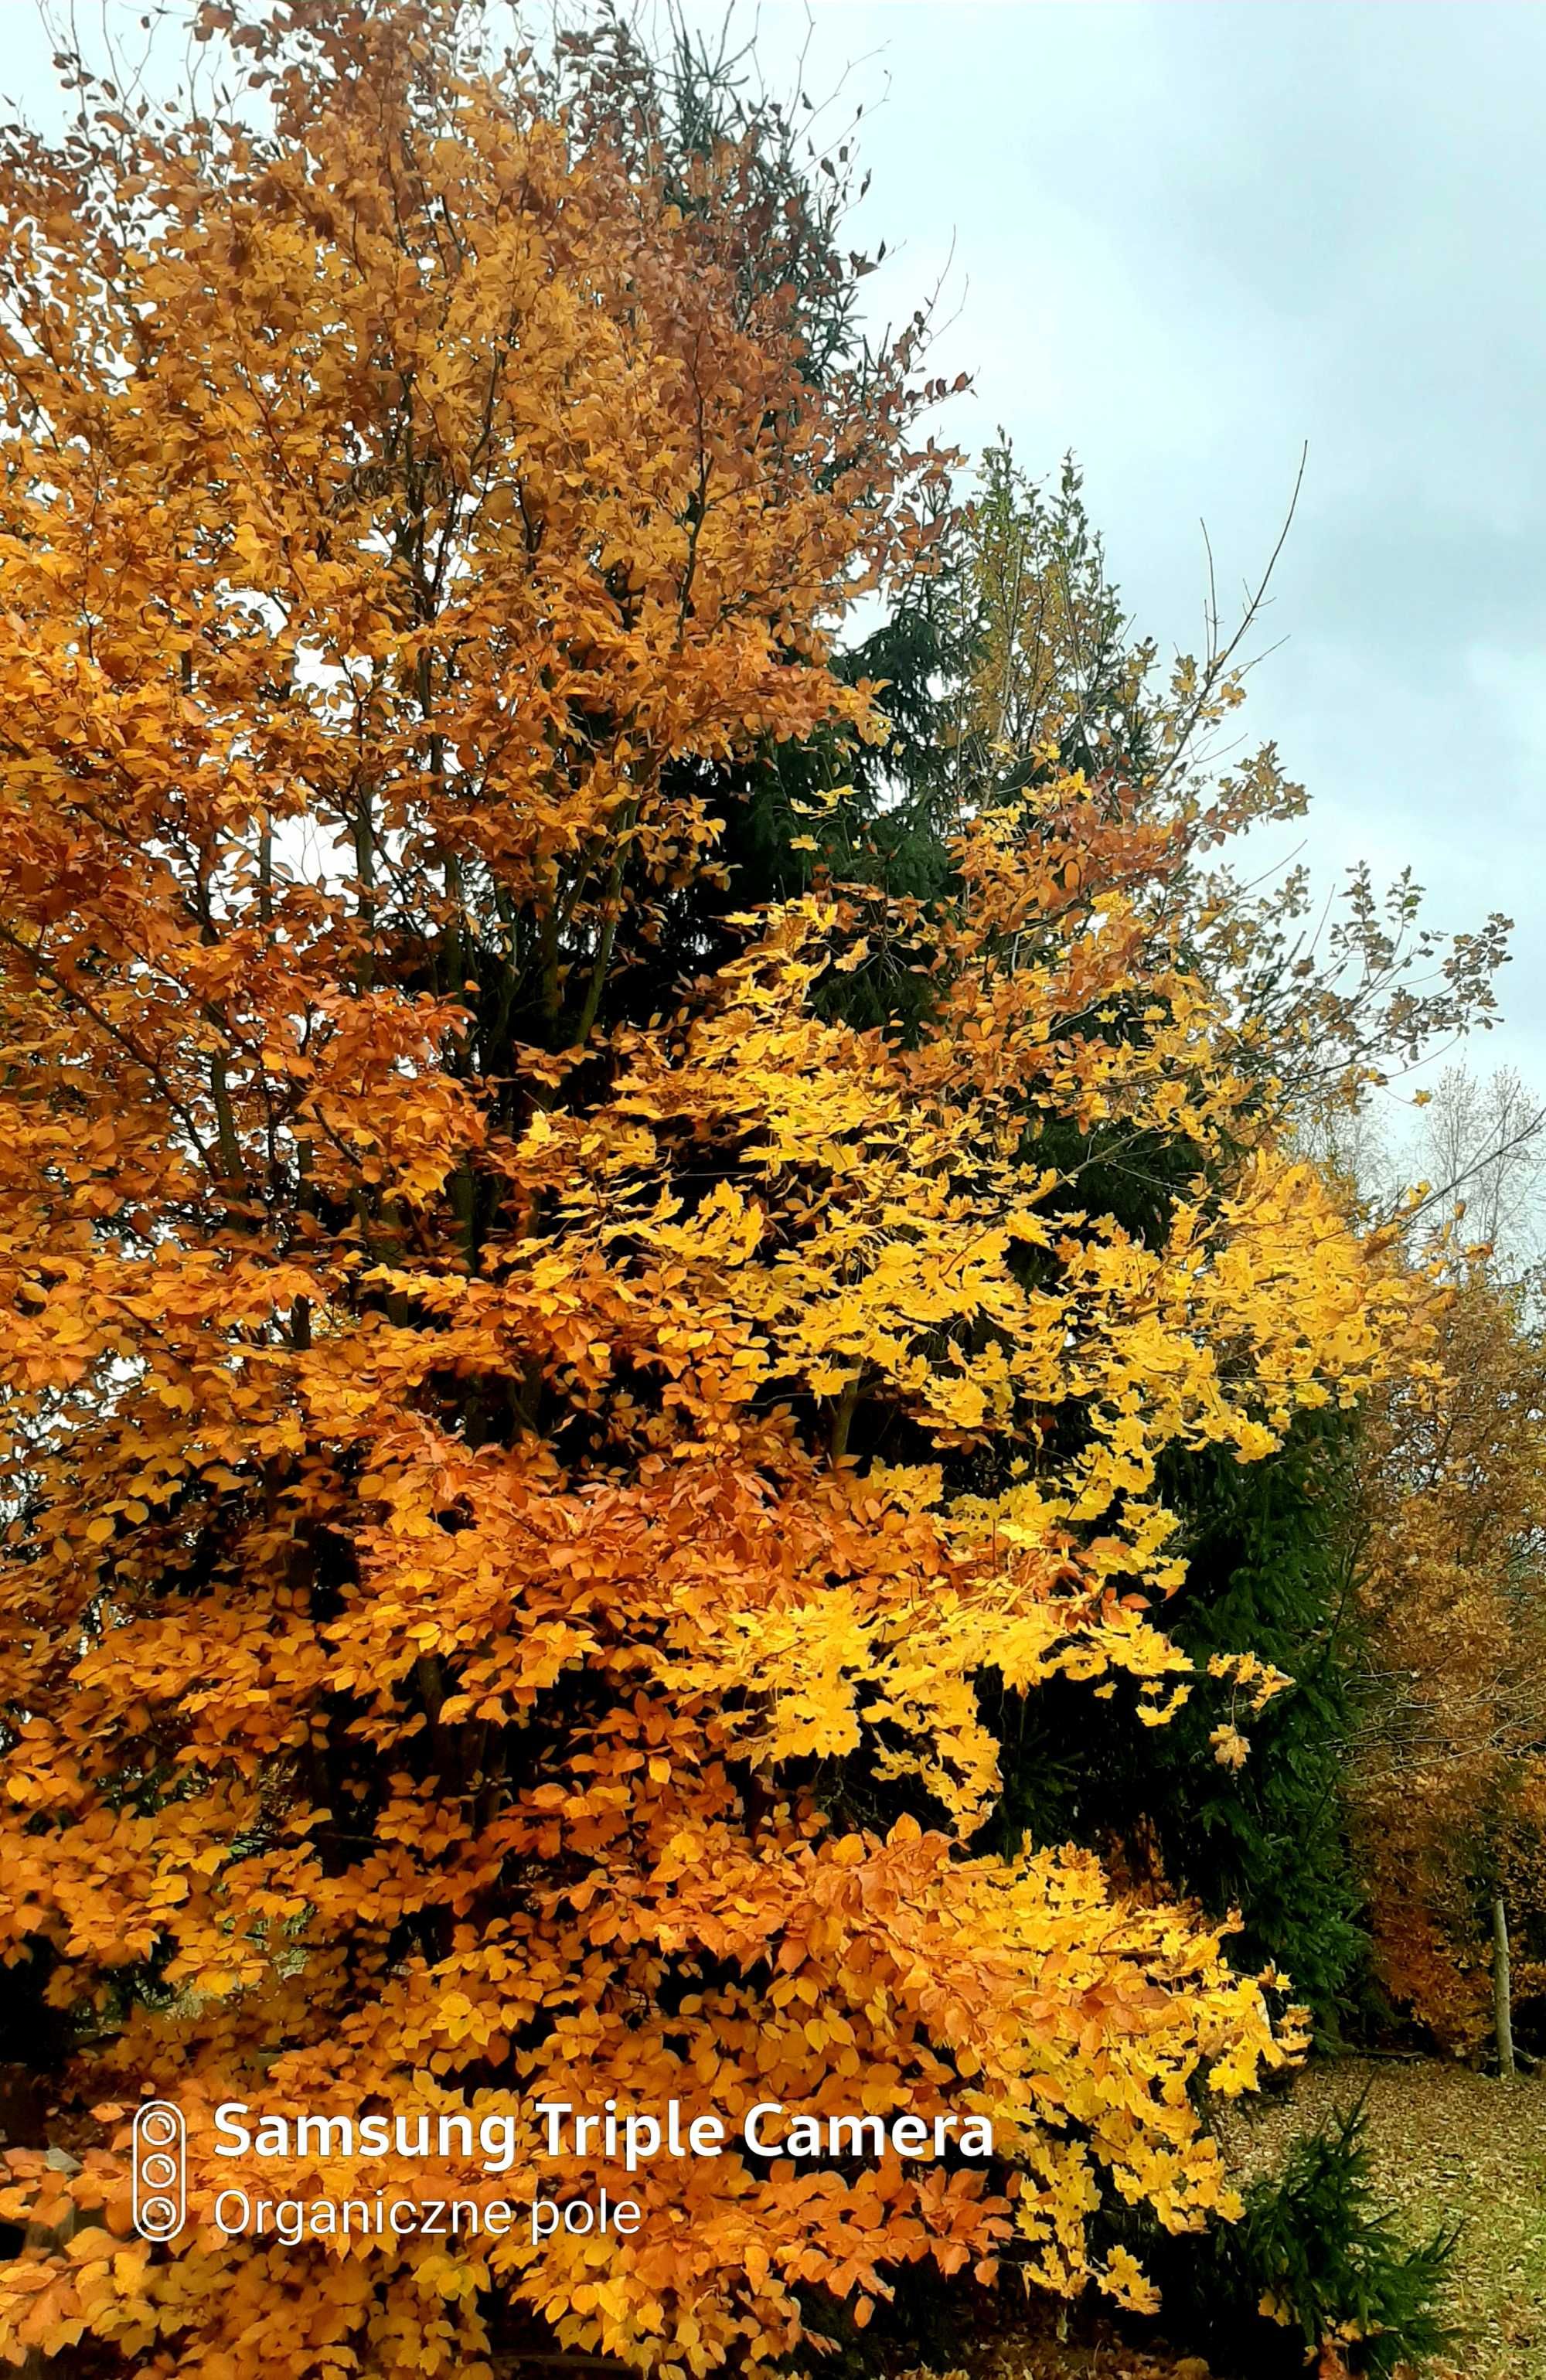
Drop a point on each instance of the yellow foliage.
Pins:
(442, 1609)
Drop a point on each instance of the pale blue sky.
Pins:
(1183, 238)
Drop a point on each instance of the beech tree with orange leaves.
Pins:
(512, 1499)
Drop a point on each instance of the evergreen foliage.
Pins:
(1266, 1574)
(1269, 1573)
(1313, 2259)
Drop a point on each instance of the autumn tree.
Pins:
(514, 1494)
(1448, 1685)
(1045, 669)
(1448, 1789)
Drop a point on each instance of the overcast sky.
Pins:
(1186, 239)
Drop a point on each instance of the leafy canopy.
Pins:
(514, 1495)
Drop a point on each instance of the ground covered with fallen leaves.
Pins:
(1446, 2146)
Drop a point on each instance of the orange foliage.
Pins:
(1450, 1788)
(440, 1613)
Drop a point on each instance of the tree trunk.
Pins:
(1503, 2019)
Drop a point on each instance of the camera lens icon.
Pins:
(160, 2170)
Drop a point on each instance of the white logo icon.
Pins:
(160, 2170)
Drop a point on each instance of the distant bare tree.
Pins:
(1349, 1145)
(1481, 1147)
